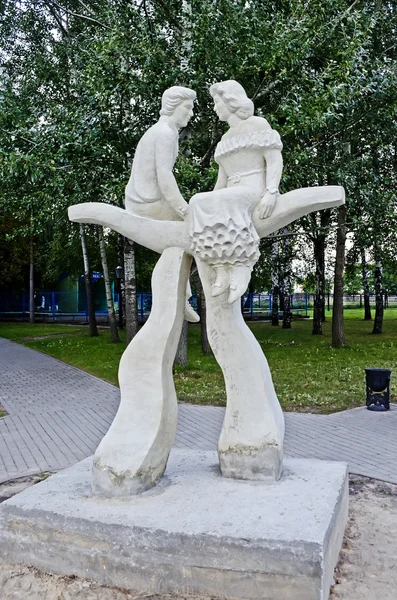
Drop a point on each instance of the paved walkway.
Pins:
(57, 415)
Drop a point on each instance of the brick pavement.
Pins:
(57, 415)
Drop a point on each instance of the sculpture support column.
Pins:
(133, 455)
(251, 441)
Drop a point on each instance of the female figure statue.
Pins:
(250, 167)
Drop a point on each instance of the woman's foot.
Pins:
(221, 283)
(239, 280)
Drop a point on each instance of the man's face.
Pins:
(183, 113)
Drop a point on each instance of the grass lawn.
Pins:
(309, 374)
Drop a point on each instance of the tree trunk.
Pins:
(120, 260)
(202, 311)
(323, 316)
(378, 322)
(286, 280)
(319, 298)
(364, 272)
(275, 298)
(338, 327)
(287, 310)
(131, 305)
(88, 285)
(181, 353)
(31, 283)
(281, 294)
(275, 281)
(114, 334)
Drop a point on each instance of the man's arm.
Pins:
(164, 155)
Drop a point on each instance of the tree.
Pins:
(181, 353)
(338, 330)
(130, 299)
(286, 275)
(88, 285)
(275, 274)
(364, 273)
(378, 321)
(114, 334)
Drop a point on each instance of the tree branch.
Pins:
(20, 136)
(208, 153)
(327, 139)
(84, 17)
(86, 7)
(266, 90)
(57, 18)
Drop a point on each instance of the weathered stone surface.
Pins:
(196, 533)
(26, 583)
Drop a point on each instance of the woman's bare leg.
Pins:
(239, 280)
(222, 280)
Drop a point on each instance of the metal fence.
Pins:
(356, 300)
(72, 306)
(260, 305)
(61, 306)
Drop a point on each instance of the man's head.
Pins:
(177, 102)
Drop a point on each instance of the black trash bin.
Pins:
(378, 389)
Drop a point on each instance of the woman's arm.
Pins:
(221, 182)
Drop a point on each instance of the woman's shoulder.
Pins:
(252, 124)
(255, 124)
(256, 135)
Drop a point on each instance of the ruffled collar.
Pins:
(253, 140)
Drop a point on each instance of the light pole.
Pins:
(120, 276)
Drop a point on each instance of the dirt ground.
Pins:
(367, 566)
(366, 571)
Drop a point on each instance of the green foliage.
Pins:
(80, 83)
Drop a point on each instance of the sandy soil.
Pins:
(367, 567)
(366, 571)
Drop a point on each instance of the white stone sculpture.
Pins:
(221, 229)
(152, 190)
(250, 167)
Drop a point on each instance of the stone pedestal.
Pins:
(195, 533)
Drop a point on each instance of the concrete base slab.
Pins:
(195, 533)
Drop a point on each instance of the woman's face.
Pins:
(221, 108)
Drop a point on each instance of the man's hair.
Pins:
(173, 97)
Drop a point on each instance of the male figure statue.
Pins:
(152, 190)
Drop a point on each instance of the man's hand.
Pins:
(182, 209)
(267, 204)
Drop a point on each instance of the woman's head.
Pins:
(229, 96)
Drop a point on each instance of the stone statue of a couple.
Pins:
(220, 222)
(221, 229)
